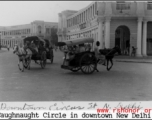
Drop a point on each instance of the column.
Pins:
(144, 43)
(138, 53)
(107, 33)
(91, 12)
(100, 32)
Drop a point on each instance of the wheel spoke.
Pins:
(92, 66)
(88, 68)
(85, 68)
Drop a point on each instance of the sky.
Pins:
(24, 12)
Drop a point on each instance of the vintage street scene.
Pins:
(76, 51)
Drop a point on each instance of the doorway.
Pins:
(122, 39)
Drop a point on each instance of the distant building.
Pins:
(15, 34)
(122, 23)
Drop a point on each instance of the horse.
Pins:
(109, 55)
(24, 57)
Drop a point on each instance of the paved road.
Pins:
(126, 81)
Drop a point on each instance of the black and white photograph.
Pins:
(75, 51)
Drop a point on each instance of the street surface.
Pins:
(125, 82)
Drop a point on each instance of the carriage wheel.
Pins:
(88, 63)
(43, 60)
(75, 69)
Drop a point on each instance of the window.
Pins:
(39, 29)
(122, 6)
(149, 6)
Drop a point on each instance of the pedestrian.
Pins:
(127, 47)
(133, 53)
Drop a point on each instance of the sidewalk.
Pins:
(147, 59)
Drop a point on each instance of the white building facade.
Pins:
(125, 24)
(15, 34)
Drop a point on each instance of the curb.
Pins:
(130, 61)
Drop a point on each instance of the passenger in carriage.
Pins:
(81, 48)
(69, 53)
(77, 50)
(26, 47)
(88, 47)
(33, 46)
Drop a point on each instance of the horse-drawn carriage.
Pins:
(34, 49)
(37, 46)
(84, 61)
(87, 60)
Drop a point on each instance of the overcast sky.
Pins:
(24, 12)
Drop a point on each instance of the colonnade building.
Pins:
(15, 34)
(122, 23)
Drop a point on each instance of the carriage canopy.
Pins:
(35, 39)
(76, 42)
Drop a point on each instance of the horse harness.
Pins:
(20, 54)
(109, 52)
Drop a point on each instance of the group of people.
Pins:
(72, 50)
(78, 48)
(33, 47)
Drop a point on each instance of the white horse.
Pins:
(24, 57)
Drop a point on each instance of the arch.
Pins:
(122, 38)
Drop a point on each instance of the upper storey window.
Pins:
(149, 6)
(122, 5)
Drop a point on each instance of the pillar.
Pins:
(139, 37)
(144, 42)
(107, 33)
(100, 33)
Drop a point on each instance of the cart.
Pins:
(84, 61)
(36, 56)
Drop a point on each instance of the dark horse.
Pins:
(109, 55)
